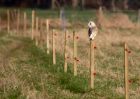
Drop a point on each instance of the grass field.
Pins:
(27, 72)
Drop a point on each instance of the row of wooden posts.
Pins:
(35, 34)
(17, 22)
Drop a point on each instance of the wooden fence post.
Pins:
(41, 33)
(138, 20)
(18, 15)
(36, 33)
(53, 46)
(126, 71)
(47, 34)
(65, 52)
(92, 64)
(33, 21)
(74, 54)
(25, 24)
(8, 21)
(0, 23)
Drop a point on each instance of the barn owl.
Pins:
(92, 31)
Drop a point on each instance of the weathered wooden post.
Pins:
(33, 22)
(0, 23)
(25, 24)
(126, 71)
(8, 21)
(41, 32)
(36, 33)
(74, 54)
(53, 46)
(65, 52)
(18, 19)
(18, 15)
(92, 32)
(47, 34)
(92, 64)
(138, 21)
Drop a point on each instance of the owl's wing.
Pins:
(95, 31)
(89, 31)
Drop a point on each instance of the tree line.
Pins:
(109, 4)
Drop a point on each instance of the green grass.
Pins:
(67, 81)
(38, 56)
(32, 69)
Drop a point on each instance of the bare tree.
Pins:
(83, 3)
(53, 4)
(99, 2)
(38, 2)
(113, 5)
(125, 4)
(75, 3)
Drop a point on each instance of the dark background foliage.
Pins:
(109, 4)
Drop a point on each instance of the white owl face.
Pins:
(91, 24)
